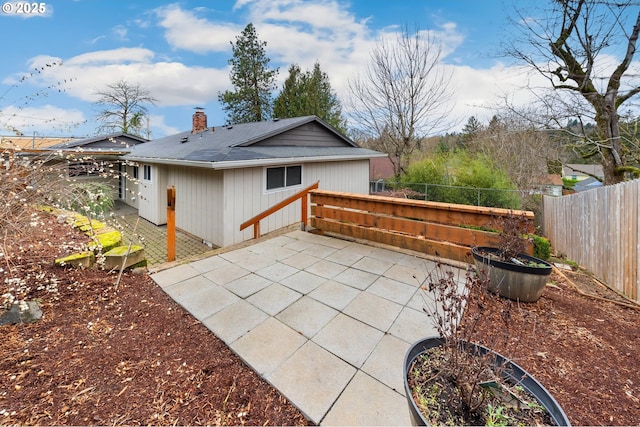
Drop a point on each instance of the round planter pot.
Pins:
(511, 372)
(517, 282)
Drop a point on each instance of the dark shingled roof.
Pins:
(236, 143)
(119, 142)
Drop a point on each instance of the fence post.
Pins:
(171, 223)
(305, 202)
(478, 197)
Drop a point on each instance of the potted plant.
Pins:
(510, 272)
(448, 379)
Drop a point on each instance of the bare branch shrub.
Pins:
(447, 295)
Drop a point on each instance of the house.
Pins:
(381, 168)
(552, 185)
(225, 175)
(580, 172)
(96, 159)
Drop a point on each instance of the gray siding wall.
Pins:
(350, 177)
(198, 202)
(245, 195)
(212, 204)
(309, 135)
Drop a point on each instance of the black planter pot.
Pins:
(517, 282)
(512, 372)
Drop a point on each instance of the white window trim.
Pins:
(144, 175)
(285, 188)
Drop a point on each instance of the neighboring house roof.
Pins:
(113, 143)
(587, 184)
(583, 170)
(31, 142)
(552, 179)
(305, 138)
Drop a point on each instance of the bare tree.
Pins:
(402, 96)
(123, 105)
(520, 148)
(575, 46)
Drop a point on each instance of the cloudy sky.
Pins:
(179, 52)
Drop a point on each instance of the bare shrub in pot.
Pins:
(451, 380)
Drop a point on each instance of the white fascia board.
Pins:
(174, 162)
(254, 163)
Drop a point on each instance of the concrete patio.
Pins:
(326, 321)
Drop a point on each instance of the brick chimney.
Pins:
(199, 121)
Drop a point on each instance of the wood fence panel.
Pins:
(434, 231)
(420, 244)
(444, 213)
(428, 227)
(599, 229)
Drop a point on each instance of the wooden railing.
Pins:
(439, 229)
(255, 221)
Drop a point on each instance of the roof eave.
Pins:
(237, 164)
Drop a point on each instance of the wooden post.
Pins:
(305, 206)
(171, 223)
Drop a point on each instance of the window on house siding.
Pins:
(146, 173)
(283, 176)
(135, 172)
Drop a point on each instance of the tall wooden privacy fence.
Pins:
(599, 229)
(439, 229)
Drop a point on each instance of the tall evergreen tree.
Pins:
(309, 93)
(252, 79)
(291, 100)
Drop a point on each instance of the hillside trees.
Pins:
(402, 95)
(522, 150)
(122, 107)
(252, 78)
(585, 49)
(309, 93)
(462, 177)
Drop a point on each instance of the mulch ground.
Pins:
(125, 356)
(580, 340)
(130, 355)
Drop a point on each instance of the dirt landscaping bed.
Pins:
(132, 356)
(125, 356)
(581, 347)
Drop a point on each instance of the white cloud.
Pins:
(324, 31)
(158, 122)
(112, 56)
(96, 39)
(481, 92)
(172, 83)
(184, 30)
(120, 32)
(42, 119)
(296, 31)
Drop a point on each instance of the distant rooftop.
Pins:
(584, 170)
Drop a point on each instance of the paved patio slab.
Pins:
(367, 402)
(312, 379)
(326, 321)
